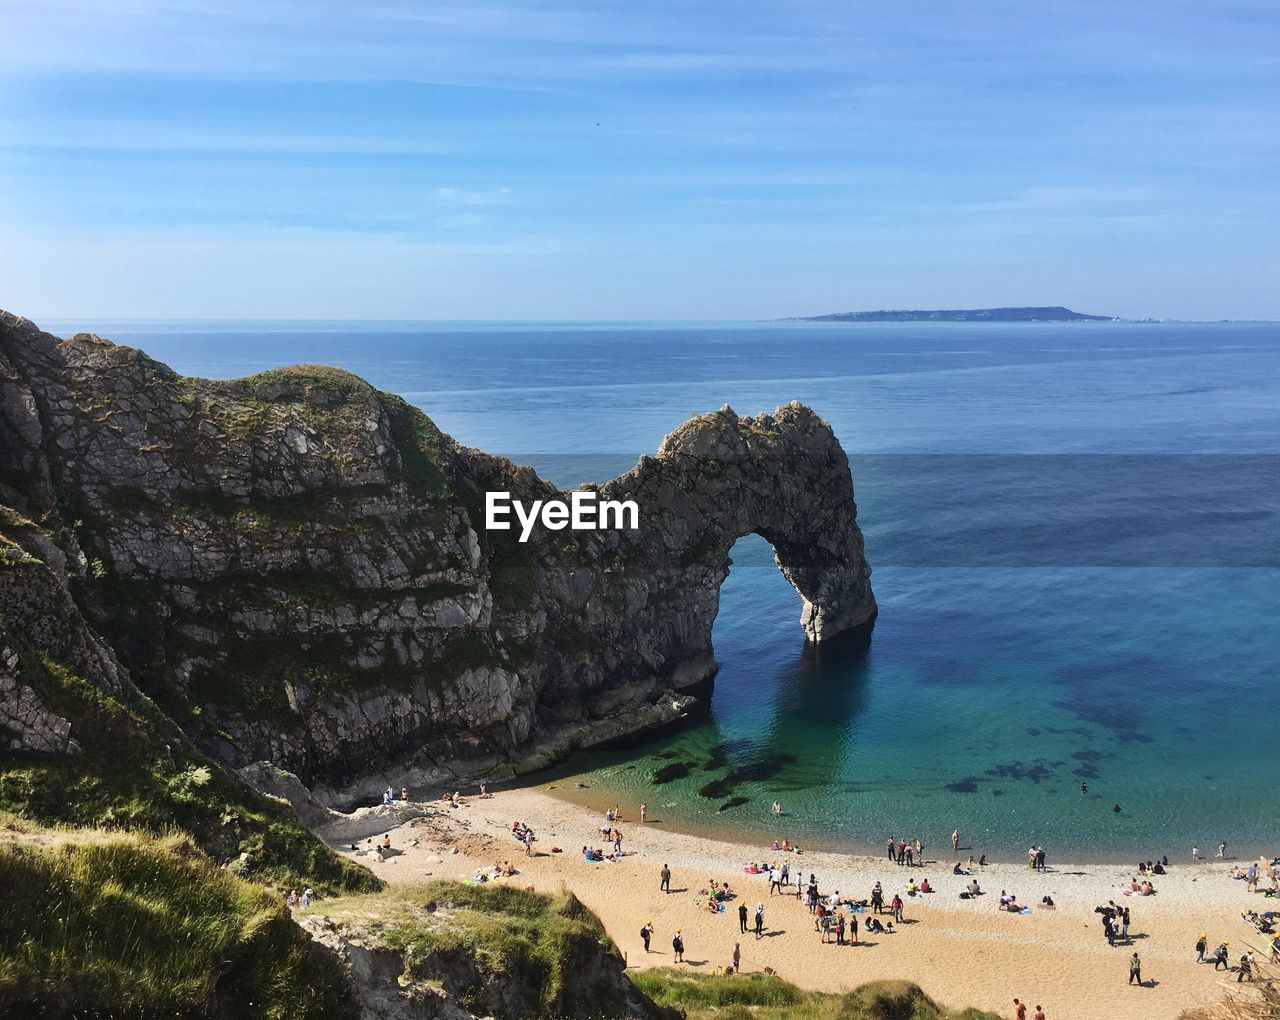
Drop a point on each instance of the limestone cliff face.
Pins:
(294, 565)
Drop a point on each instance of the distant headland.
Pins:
(1054, 314)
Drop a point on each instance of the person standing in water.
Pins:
(955, 842)
(644, 813)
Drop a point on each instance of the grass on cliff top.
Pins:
(523, 940)
(116, 925)
(763, 997)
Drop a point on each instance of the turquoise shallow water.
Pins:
(1076, 543)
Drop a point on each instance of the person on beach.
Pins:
(1039, 1013)
(839, 929)
(897, 908)
(644, 813)
(1220, 956)
(1202, 944)
(877, 898)
(677, 944)
(955, 841)
(1124, 924)
(665, 884)
(919, 852)
(737, 957)
(1222, 851)
(892, 849)
(742, 918)
(1135, 969)
(646, 933)
(759, 920)
(775, 881)
(1245, 971)
(1019, 1010)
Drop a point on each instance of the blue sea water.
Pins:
(1075, 531)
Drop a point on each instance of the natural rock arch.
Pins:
(295, 565)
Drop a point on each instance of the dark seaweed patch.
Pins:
(963, 786)
(734, 802)
(675, 770)
(1037, 771)
(1032, 731)
(717, 757)
(718, 789)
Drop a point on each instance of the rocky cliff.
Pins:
(294, 565)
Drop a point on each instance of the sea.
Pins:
(1075, 537)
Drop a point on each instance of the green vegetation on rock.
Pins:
(96, 924)
(764, 997)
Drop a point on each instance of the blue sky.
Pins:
(383, 159)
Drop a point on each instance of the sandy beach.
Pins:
(961, 952)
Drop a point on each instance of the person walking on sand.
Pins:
(1019, 1010)
(1124, 924)
(1135, 969)
(897, 908)
(877, 898)
(1220, 956)
(646, 933)
(742, 918)
(677, 944)
(665, 884)
(775, 881)
(1202, 943)
(737, 957)
(1245, 971)
(759, 920)
(1039, 1013)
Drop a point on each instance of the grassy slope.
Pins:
(114, 924)
(760, 997)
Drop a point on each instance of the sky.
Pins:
(637, 160)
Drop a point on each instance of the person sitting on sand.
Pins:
(911, 887)
(484, 792)
(1005, 900)
(957, 870)
(386, 841)
(925, 886)
(973, 888)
